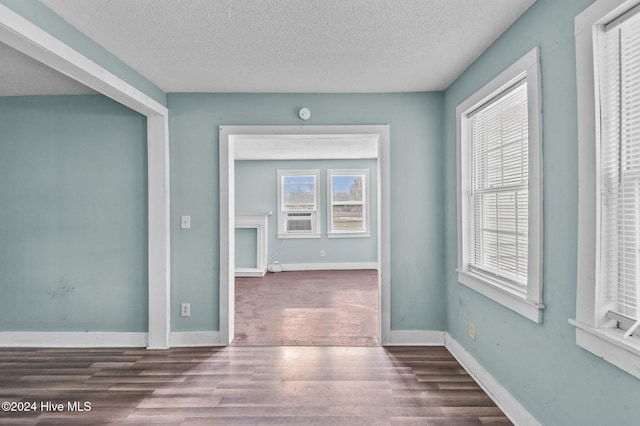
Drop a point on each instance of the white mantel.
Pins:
(259, 221)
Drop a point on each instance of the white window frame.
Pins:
(282, 211)
(530, 304)
(341, 233)
(594, 331)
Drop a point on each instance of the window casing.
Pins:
(619, 80)
(608, 81)
(500, 189)
(298, 203)
(348, 203)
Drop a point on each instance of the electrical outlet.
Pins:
(185, 309)
(321, 253)
(472, 331)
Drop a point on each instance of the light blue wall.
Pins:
(73, 215)
(43, 17)
(417, 185)
(540, 364)
(256, 190)
(246, 247)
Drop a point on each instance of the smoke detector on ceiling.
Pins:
(304, 113)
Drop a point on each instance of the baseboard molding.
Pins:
(194, 338)
(328, 266)
(415, 338)
(71, 339)
(97, 339)
(503, 399)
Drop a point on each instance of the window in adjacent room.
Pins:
(500, 187)
(298, 202)
(608, 309)
(348, 203)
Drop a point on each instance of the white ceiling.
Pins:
(290, 45)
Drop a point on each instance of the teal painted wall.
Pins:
(46, 19)
(73, 215)
(540, 364)
(246, 247)
(256, 190)
(417, 185)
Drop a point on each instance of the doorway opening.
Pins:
(304, 143)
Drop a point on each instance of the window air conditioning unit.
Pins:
(299, 222)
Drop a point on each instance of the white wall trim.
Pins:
(501, 396)
(307, 147)
(28, 38)
(71, 339)
(336, 266)
(527, 67)
(593, 329)
(194, 338)
(33, 41)
(159, 231)
(415, 338)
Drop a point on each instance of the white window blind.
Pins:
(619, 74)
(499, 199)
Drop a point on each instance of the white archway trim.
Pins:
(281, 142)
(31, 40)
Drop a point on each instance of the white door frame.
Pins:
(24, 36)
(280, 142)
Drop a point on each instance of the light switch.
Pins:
(185, 222)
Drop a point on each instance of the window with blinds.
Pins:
(619, 74)
(499, 188)
(500, 162)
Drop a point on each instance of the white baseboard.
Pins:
(71, 339)
(250, 272)
(97, 339)
(328, 266)
(194, 338)
(503, 399)
(415, 338)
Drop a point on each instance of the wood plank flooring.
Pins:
(286, 385)
(307, 308)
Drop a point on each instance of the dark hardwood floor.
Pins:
(291, 385)
(306, 353)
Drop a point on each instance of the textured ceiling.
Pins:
(21, 75)
(294, 45)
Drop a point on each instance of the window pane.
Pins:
(502, 237)
(300, 192)
(348, 216)
(346, 188)
(500, 161)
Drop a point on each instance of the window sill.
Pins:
(502, 295)
(284, 236)
(349, 235)
(610, 345)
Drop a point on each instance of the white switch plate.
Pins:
(185, 222)
(185, 309)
